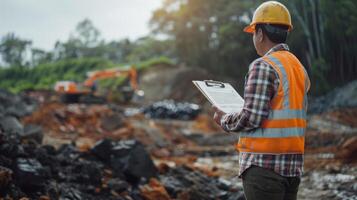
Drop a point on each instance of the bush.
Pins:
(45, 75)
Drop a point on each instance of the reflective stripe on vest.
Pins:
(285, 82)
(287, 114)
(275, 133)
(283, 131)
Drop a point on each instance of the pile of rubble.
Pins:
(15, 105)
(169, 109)
(343, 97)
(110, 169)
(76, 120)
(330, 182)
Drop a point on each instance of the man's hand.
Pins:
(217, 115)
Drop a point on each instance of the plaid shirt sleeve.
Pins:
(261, 84)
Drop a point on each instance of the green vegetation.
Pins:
(44, 76)
(154, 62)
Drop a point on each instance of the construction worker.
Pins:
(272, 123)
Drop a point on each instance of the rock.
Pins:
(5, 162)
(7, 99)
(103, 149)
(29, 173)
(32, 132)
(168, 109)
(50, 150)
(67, 152)
(19, 110)
(11, 125)
(348, 150)
(118, 185)
(70, 193)
(112, 122)
(88, 172)
(15, 105)
(223, 184)
(183, 182)
(131, 158)
(172, 185)
(10, 146)
(343, 97)
(154, 191)
(52, 189)
(5, 177)
(237, 196)
(2, 110)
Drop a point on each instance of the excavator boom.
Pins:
(111, 73)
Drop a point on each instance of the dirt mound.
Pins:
(172, 82)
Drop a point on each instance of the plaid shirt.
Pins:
(261, 84)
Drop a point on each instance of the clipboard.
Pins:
(220, 94)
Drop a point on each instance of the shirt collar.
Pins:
(278, 47)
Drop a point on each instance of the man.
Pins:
(272, 123)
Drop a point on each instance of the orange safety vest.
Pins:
(284, 129)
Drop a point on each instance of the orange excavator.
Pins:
(72, 92)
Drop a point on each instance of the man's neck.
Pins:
(267, 47)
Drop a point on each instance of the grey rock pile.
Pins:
(343, 97)
(169, 109)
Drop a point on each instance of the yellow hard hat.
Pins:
(270, 12)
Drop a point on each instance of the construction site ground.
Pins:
(330, 160)
(330, 169)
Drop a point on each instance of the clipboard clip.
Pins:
(211, 83)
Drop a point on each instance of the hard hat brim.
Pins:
(250, 28)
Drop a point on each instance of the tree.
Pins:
(39, 56)
(324, 38)
(208, 33)
(146, 48)
(83, 43)
(87, 34)
(13, 49)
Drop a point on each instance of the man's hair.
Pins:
(275, 33)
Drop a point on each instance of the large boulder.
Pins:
(11, 125)
(33, 133)
(103, 149)
(30, 173)
(15, 105)
(127, 158)
(131, 158)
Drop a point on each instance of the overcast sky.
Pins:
(46, 21)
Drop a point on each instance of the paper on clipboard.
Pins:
(222, 95)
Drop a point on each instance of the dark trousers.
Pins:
(261, 184)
